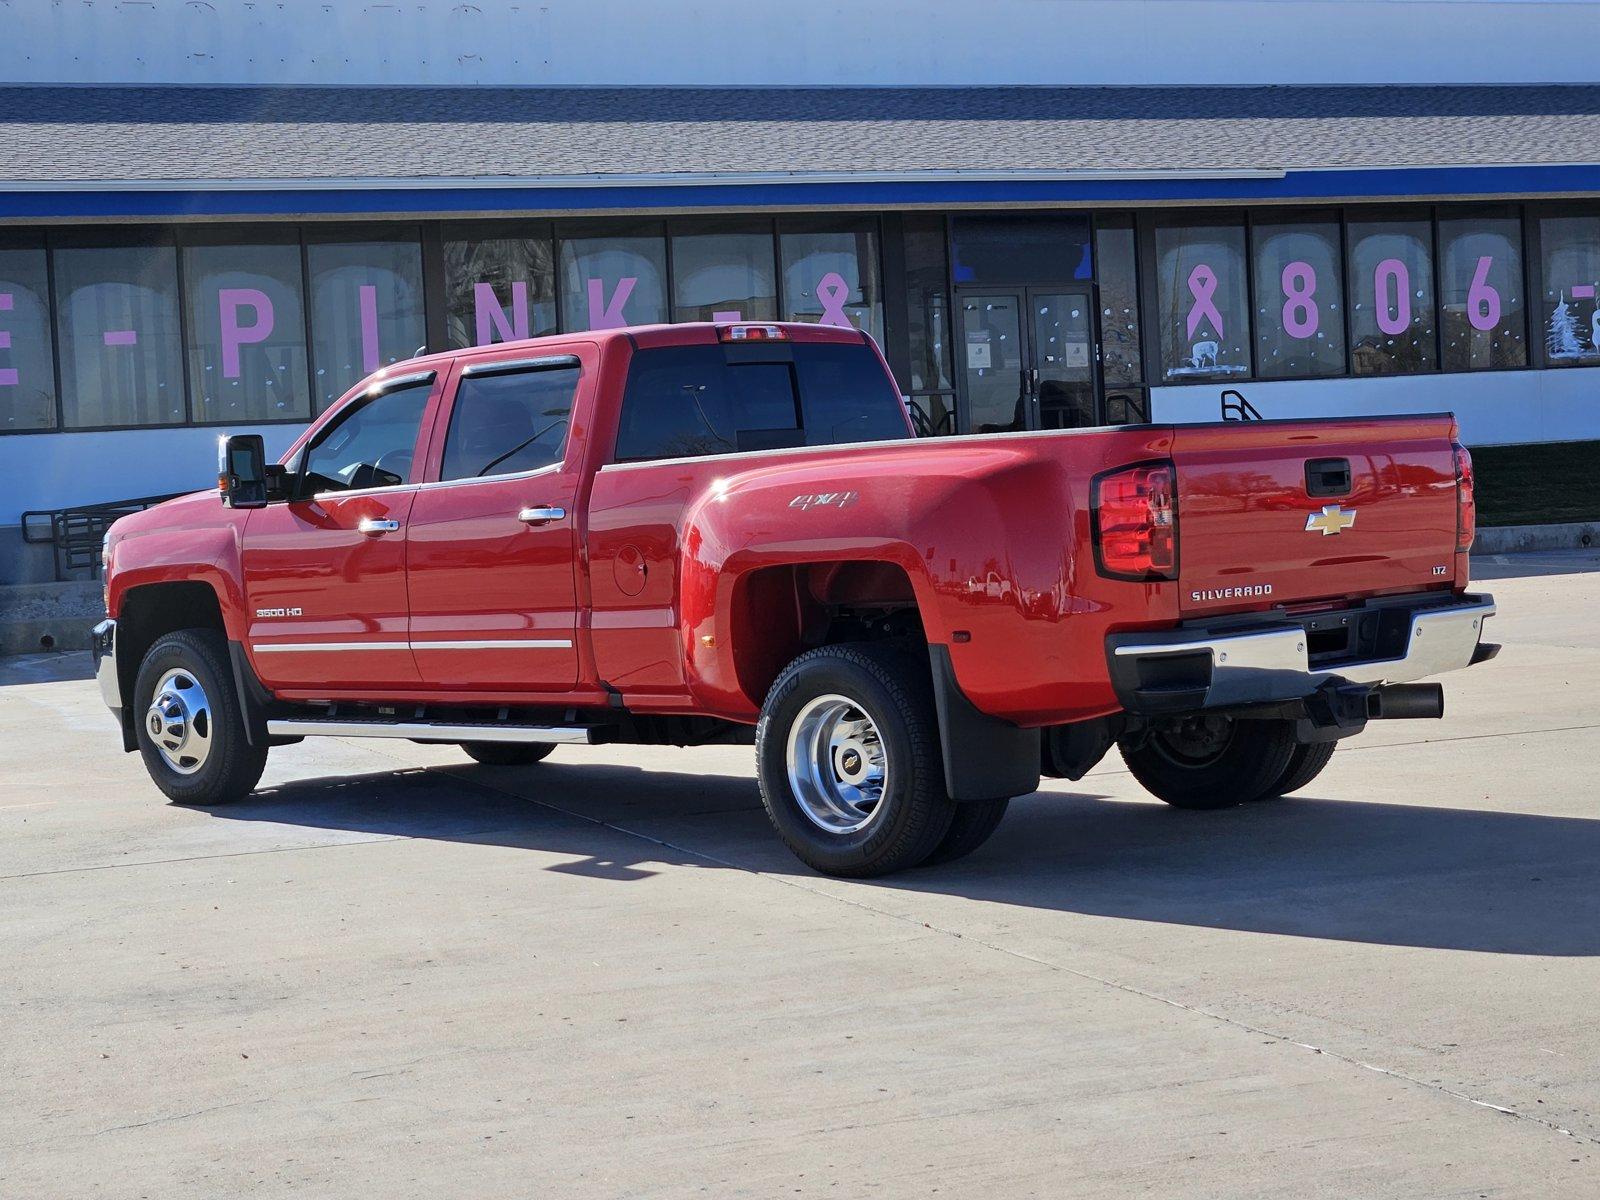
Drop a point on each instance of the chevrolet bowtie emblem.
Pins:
(1331, 520)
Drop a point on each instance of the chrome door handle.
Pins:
(541, 514)
(375, 525)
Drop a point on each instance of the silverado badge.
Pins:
(1331, 520)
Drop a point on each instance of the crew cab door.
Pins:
(324, 572)
(490, 558)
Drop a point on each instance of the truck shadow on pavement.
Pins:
(1393, 874)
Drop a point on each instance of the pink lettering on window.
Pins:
(730, 314)
(1203, 286)
(491, 318)
(120, 337)
(1300, 314)
(833, 291)
(1394, 317)
(368, 296)
(1583, 291)
(1483, 301)
(8, 375)
(604, 314)
(234, 334)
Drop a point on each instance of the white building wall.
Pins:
(1494, 407)
(764, 42)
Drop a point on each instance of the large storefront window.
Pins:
(608, 282)
(830, 275)
(247, 333)
(1570, 248)
(497, 289)
(366, 311)
(1202, 303)
(1482, 317)
(117, 324)
(723, 271)
(928, 333)
(1391, 297)
(1299, 301)
(1119, 303)
(27, 367)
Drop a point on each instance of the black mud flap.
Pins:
(985, 758)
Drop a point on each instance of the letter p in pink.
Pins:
(234, 335)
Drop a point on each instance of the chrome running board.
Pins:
(424, 731)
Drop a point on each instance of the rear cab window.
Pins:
(690, 401)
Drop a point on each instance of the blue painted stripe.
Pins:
(1297, 185)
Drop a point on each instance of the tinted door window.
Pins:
(687, 401)
(506, 424)
(370, 444)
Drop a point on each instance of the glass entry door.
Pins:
(1028, 359)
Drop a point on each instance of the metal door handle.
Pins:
(541, 514)
(376, 525)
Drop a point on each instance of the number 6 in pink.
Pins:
(1483, 302)
(1391, 272)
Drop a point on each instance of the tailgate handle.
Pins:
(1328, 477)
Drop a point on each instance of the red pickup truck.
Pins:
(693, 534)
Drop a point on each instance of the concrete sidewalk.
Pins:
(393, 973)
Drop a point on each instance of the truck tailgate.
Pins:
(1265, 518)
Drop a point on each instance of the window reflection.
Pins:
(366, 311)
(497, 289)
(247, 331)
(724, 272)
(117, 324)
(608, 282)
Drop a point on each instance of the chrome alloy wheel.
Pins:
(837, 765)
(179, 721)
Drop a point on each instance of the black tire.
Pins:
(231, 765)
(974, 822)
(892, 688)
(1207, 762)
(507, 754)
(1304, 765)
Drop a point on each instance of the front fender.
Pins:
(208, 554)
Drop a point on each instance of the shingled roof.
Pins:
(128, 134)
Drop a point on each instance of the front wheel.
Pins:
(190, 727)
(847, 753)
(1207, 761)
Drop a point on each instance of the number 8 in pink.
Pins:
(1392, 269)
(1300, 314)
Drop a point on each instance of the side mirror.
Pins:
(242, 471)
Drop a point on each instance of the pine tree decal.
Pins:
(1561, 335)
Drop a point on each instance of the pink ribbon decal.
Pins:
(491, 318)
(369, 326)
(833, 291)
(234, 335)
(608, 315)
(1203, 286)
(8, 375)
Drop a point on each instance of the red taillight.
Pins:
(1136, 522)
(753, 333)
(1466, 504)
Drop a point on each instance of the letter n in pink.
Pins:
(603, 315)
(234, 335)
(491, 318)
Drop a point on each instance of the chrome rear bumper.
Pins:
(1275, 658)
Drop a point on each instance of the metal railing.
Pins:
(78, 532)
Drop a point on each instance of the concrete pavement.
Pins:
(394, 973)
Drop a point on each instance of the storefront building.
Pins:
(175, 261)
